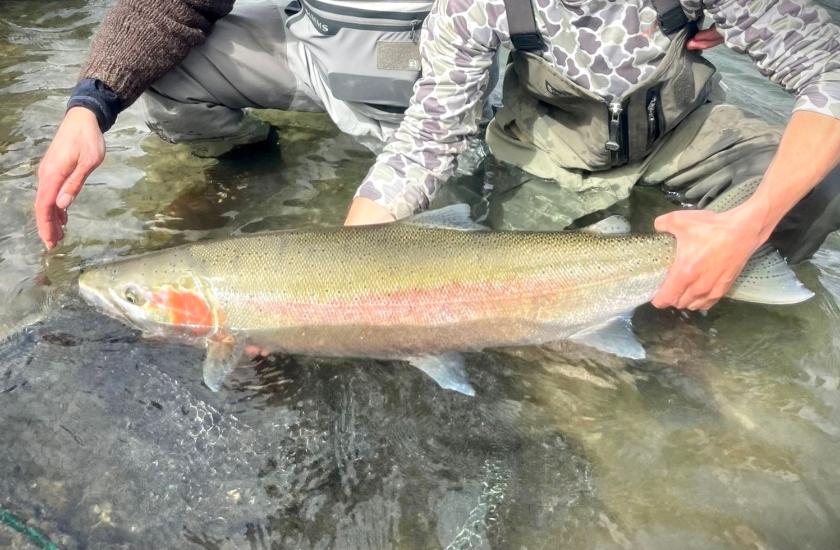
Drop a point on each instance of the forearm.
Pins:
(809, 150)
(793, 43)
(713, 248)
(445, 110)
(140, 40)
(403, 183)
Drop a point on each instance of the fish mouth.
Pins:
(107, 302)
(93, 296)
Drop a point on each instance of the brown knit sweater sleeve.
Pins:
(140, 40)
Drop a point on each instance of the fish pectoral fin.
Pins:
(222, 357)
(454, 216)
(612, 225)
(446, 369)
(615, 336)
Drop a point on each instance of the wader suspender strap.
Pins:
(522, 26)
(525, 37)
(672, 17)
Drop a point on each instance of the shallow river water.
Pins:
(727, 436)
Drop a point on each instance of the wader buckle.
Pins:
(528, 41)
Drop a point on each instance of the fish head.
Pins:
(157, 294)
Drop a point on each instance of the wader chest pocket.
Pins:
(369, 51)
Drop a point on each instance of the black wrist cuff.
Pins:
(95, 96)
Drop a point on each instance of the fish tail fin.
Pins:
(768, 279)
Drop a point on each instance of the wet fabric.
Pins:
(804, 230)
(96, 96)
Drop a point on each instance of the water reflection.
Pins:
(726, 437)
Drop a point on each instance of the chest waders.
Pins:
(672, 130)
(357, 61)
(368, 50)
(599, 133)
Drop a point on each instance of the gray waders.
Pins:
(357, 63)
(671, 130)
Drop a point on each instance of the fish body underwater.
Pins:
(419, 290)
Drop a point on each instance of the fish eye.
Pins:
(133, 296)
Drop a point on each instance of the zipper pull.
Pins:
(651, 110)
(415, 26)
(615, 123)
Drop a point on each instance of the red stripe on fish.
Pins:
(428, 306)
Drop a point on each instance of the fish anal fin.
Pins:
(223, 354)
(615, 336)
(446, 369)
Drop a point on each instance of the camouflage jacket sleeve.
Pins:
(793, 42)
(444, 111)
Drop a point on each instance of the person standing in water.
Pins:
(603, 95)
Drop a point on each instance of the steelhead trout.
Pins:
(417, 290)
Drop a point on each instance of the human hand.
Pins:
(366, 212)
(712, 250)
(705, 39)
(76, 150)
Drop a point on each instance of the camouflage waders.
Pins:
(671, 129)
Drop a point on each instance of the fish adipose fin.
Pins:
(615, 336)
(222, 357)
(768, 279)
(455, 216)
(446, 369)
(613, 225)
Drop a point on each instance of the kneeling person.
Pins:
(197, 64)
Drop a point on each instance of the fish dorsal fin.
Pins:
(614, 336)
(613, 225)
(222, 357)
(768, 279)
(446, 369)
(454, 216)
